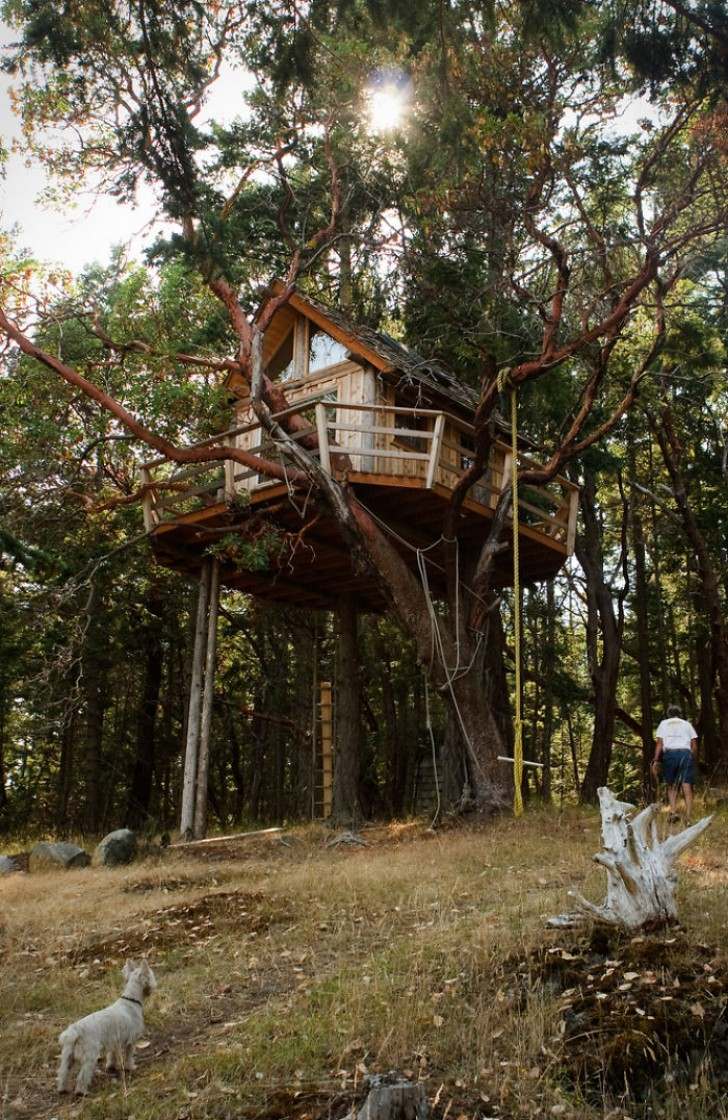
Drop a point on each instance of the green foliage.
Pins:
(255, 554)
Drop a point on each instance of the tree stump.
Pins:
(392, 1097)
(641, 877)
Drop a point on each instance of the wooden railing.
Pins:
(422, 447)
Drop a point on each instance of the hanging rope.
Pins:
(503, 381)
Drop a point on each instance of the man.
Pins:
(677, 747)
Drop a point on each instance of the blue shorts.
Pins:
(678, 767)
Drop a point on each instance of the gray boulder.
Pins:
(117, 848)
(8, 864)
(44, 856)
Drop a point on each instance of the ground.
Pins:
(288, 970)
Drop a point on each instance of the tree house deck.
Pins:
(403, 464)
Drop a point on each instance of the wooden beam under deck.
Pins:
(320, 569)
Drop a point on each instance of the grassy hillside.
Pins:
(287, 971)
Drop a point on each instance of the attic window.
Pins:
(323, 350)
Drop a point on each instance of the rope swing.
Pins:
(503, 380)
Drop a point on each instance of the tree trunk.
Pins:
(347, 719)
(643, 630)
(140, 789)
(203, 756)
(548, 692)
(94, 667)
(709, 583)
(604, 623)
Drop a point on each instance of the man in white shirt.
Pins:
(677, 747)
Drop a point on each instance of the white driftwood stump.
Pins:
(392, 1097)
(641, 877)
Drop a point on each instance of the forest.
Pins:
(531, 193)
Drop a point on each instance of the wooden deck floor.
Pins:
(313, 566)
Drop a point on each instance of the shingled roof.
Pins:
(414, 369)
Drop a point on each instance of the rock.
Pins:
(8, 865)
(44, 856)
(117, 848)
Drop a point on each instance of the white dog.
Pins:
(115, 1029)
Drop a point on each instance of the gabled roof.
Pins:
(380, 350)
(394, 357)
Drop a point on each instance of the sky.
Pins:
(70, 237)
(87, 231)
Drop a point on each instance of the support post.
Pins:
(230, 467)
(203, 756)
(323, 437)
(571, 529)
(193, 714)
(435, 450)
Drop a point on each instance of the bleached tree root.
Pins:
(641, 876)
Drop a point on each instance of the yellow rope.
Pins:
(518, 722)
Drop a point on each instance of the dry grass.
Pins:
(287, 972)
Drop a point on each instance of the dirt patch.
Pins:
(186, 925)
(170, 884)
(637, 1015)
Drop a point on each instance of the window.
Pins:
(323, 350)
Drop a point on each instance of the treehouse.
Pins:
(397, 427)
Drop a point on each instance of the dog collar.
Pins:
(130, 999)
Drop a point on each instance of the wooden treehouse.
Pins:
(398, 427)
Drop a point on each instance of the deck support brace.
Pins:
(193, 818)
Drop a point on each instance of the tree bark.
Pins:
(203, 755)
(643, 631)
(672, 454)
(604, 629)
(140, 788)
(94, 666)
(347, 719)
(548, 692)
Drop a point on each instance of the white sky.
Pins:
(86, 232)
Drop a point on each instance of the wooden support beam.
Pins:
(187, 816)
(322, 432)
(435, 450)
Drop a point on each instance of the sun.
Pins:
(387, 104)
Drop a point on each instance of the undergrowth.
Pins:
(287, 973)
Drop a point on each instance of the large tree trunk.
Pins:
(479, 726)
(347, 718)
(604, 642)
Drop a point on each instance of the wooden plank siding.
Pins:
(404, 452)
